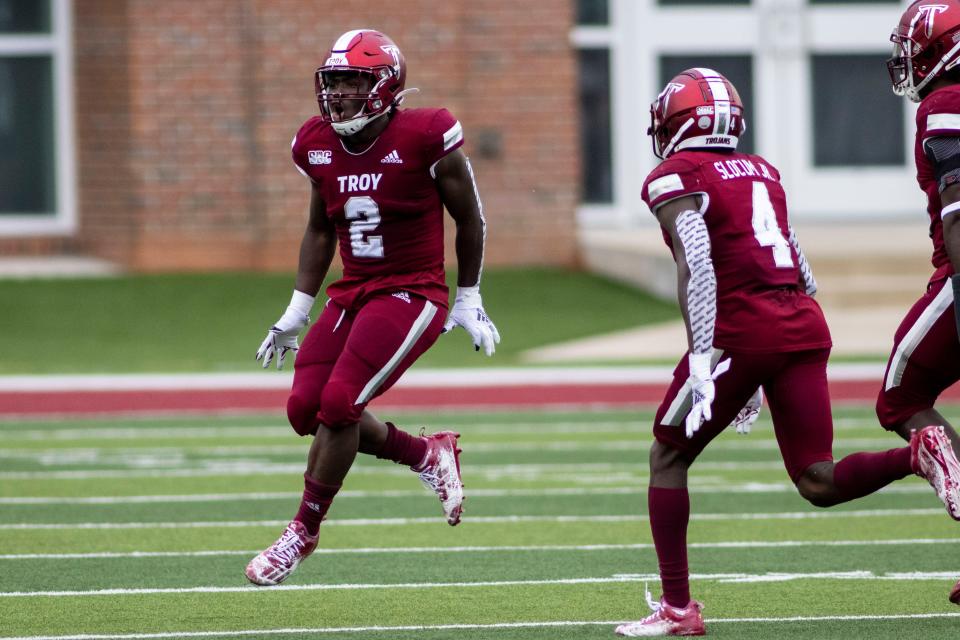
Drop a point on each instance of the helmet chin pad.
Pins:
(355, 124)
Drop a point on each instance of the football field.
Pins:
(120, 527)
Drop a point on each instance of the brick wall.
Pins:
(185, 111)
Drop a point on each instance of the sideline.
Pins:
(431, 390)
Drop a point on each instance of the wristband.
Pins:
(700, 365)
(468, 297)
(301, 303)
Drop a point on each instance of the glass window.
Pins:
(593, 12)
(24, 16)
(822, 2)
(857, 121)
(674, 3)
(597, 170)
(27, 162)
(738, 69)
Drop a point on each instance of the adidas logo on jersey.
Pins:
(392, 158)
(402, 295)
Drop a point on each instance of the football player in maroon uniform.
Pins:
(746, 295)
(926, 354)
(380, 178)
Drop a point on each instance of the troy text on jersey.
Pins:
(362, 182)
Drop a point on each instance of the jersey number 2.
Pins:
(364, 216)
(766, 229)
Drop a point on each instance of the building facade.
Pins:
(155, 134)
(811, 73)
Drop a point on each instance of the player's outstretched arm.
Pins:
(458, 190)
(697, 290)
(316, 252)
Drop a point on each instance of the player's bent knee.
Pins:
(338, 407)
(302, 415)
(817, 491)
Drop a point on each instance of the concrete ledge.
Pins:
(56, 267)
(857, 264)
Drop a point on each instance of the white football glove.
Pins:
(702, 388)
(468, 313)
(282, 336)
(750, 412)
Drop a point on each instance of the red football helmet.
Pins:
(926, 44)
(697, 109)
(368, 52)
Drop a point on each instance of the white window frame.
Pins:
(58, 44)
(780, 36)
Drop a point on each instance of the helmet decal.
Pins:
(394, 52)
(928, 12)
(671, 88)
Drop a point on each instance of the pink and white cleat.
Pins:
(666, 621)
(271, 567)
(440, 472)
(932, 457)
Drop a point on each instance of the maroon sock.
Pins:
(316, 500)
(669, 511)
(402, 448)
(861, 474)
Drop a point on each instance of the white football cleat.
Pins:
(440, 472)
(932, 457)
(666, 621)
(272, 566)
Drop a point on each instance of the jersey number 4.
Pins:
(364, 216)
(766, 229)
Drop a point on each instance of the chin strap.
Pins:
(397, 99)
(667, 150)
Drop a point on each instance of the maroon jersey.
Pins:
(938, 116)
(760, 306)
(384, 203)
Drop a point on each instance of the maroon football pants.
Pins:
(795, 385)
(350, 357)
(925, 359)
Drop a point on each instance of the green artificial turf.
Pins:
(576, 554)
(215, 322)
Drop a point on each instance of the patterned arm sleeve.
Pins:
(702, 287)
(805, 271)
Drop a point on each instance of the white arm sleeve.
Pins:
(702, 288)
(810, 283)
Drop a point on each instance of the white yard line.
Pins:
(119, 455)
(418, 378)
(628, 425)
(711, 487)
(245, 468)
(791, 515)
(466, 627)
(719, 577)
(745, 544)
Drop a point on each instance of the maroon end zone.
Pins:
(570, 396)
